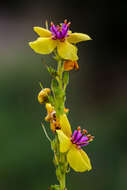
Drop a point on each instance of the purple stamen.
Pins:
(80, 138)
(60, 32)
(83, 139)
(74, 134)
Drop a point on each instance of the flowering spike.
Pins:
(59, 40)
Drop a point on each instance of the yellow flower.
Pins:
(59, 37)
(76, 157)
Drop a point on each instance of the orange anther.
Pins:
(78, 128)
(84, 131)
(52, 24)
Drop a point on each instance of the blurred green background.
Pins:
(97, 94)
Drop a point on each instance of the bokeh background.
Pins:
(97, 94)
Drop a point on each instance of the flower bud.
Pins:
(70, 65)
(43, 95)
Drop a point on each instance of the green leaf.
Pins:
(66, 79)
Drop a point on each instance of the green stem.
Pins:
(61, 166)
(60, 162)
(63, 182)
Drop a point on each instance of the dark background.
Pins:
(97, 94)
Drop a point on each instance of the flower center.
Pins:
(81, 138)
(60, 31)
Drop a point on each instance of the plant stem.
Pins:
(61, 163)
(61, 167)
(63, 182)
(59, 102)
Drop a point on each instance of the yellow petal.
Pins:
(43, 45)
(65, 125)
(49, 108)
(65, 142)
(78, 160)
(86, 158)
(69, 32)
(67, 50)
(77, 37)
(42, 32)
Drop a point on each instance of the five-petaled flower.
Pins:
(72, 144)
(59, 37)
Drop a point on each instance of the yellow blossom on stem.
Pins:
(72, 144)
(59, 37)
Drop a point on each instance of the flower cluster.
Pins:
(67, 146)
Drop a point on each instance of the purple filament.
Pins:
(59, 32)
(80, 139)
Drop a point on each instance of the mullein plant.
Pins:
(60, 43)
